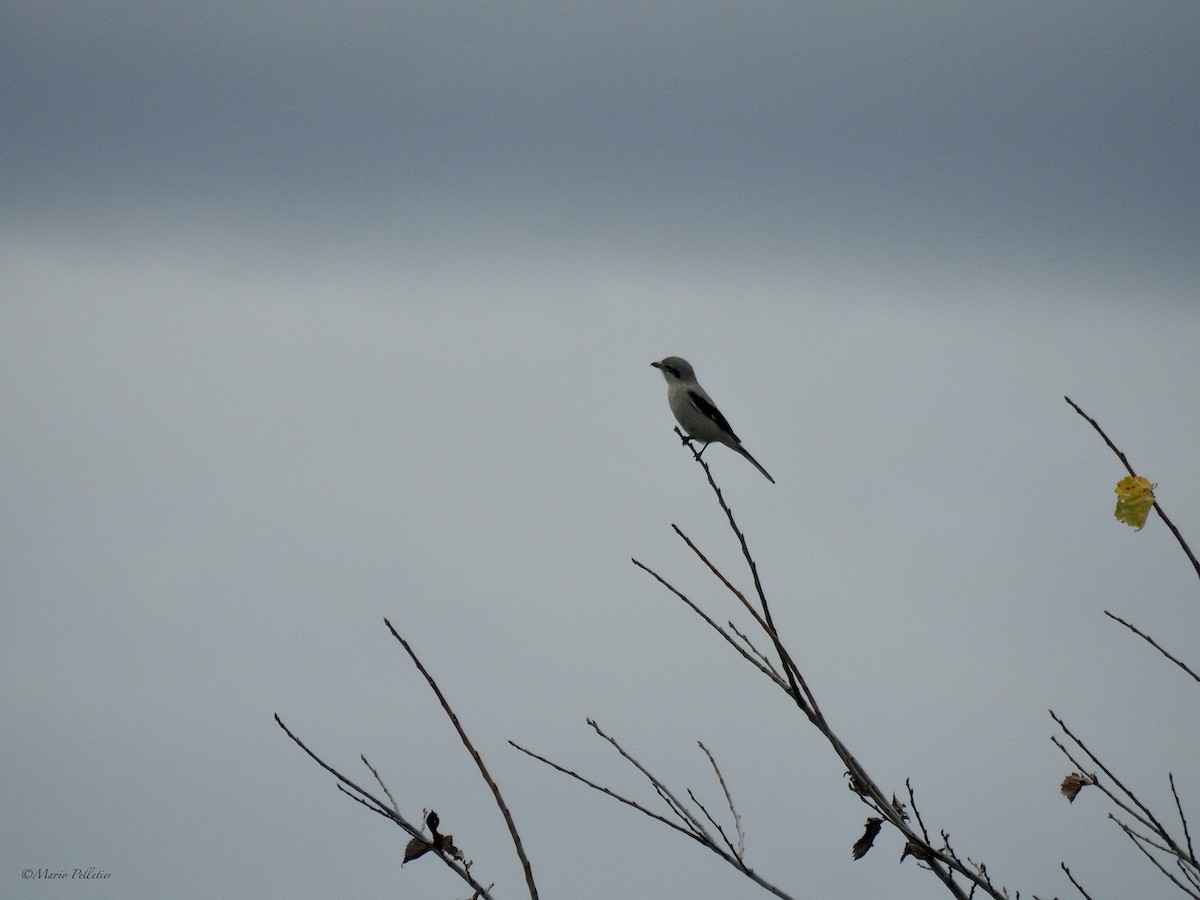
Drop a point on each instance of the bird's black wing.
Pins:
(705, 406)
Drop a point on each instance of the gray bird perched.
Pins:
(695, 411)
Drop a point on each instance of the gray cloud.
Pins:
(985, 125)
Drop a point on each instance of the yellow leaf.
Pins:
(1135, 497)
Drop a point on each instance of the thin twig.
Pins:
(508, 819)
(721, 577)
(912, 801)
(609, 793)
(677, 806)
(1135, 835)
(752, 656)
(344, 780)
(715, 824)
(375, 772)
(703, 615)
(938, 860)
(737, 819)
(795, 680)
(699, 834)
(1153, 644)
(766, 667)
(371, 806)
(1182, 818)
(805, 701)
(1077, 885)
(1138, 840)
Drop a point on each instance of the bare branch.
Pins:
(703, 615)
(508, 819)
(1152, 643)
(1139, 841)
(371, 806)
(737, 820)
(767, 667)
(395, 808)
(720, 577)
(1183, 819)
(1136, 836)
(1162, 840)
(692, 828)
(715, 824)
(912, 801)
(943, 865)
(805, 700)
(378, 804)
(608, 792)
(359, 795)
(1077, 885)
(664, 792)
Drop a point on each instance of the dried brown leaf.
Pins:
(446, 845)
(416, 848)
(915, 850)
(1074, 783)
(864, 843)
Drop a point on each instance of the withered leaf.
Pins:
(900, 808)
(915, 850)
(1074, 783)
(443, 843)
(446, 845)
(416, 848)
(864, 843)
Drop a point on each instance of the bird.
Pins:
(695, 411)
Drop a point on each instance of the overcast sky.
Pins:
(312, 314)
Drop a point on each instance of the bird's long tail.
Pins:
(746, 453)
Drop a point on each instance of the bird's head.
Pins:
(675, 368)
